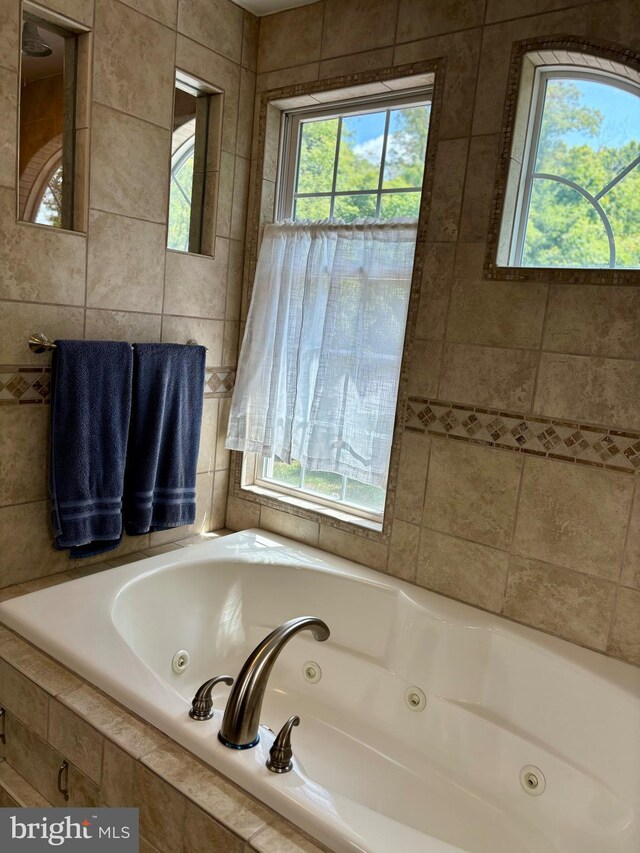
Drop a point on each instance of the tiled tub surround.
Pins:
(116, 759)
(539, 537)
(505, 694)
(118, 281)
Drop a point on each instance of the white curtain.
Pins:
(318, 371)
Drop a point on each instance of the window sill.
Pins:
(316, 508)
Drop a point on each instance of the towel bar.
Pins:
(39, 342)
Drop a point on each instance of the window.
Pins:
(576, 180)
(194, 150)
(52, 133)
(357, 161)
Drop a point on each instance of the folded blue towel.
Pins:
(90, 410)
(160, 481)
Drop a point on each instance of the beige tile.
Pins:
(594, 390)
(370, 60)
(291, 37)
(145, 847)
(424, 368)
(448, 181)
(116, 785)
(205, 835)
(217, 25)
(225, 194)
(484, 376)
(219, 500)
(18, 789)
(250, 35)
(353, 547)
(403, 550)
(631, 569)
(130, 70)
(357, 26)
(479, 185)
(109, 719)
(162, 810)
(24, 435)
(10, 27)
(277, 79)
(78, 10)
(24, 698)
(616, 20)
(230, 344)
(162, 549)
(412, 477)
(222, 800)
(122, 326)
(223, 456)
(38, 763)
(282, 837)
(435, 290)
(208, 333)
(593, 320)
(567, 604)
(202, 524)
(25, 544)
(19, 319)
(472, 491)
(497, 313)
(39, 263)
(208, 436)
(625, 634)
(76, 740)
(242, 514)
(463, 570)
(135, 185)
(217, 71)
(165, 11)
(499, 10)
(287, 524)
(419, 20)
(126, 263)
(496, 54)
(245, 113)
(8, 111)
(462, 51)
(36, 666)
(240, 196)
(573, 516)
(195, 285)
(469, 261)
(234, 280)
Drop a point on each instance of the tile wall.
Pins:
(118, 281)
(517, 484)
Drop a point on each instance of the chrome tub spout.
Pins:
(241, 720)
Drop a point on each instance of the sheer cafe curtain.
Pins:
(320, 362)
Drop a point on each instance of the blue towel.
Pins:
(90, 409)
(160, 481)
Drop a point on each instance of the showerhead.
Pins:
(32, 42)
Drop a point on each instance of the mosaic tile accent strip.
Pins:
(24, 385)
(29, 384)
(571, 442)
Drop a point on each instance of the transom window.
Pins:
(362, 160)
(578, 185)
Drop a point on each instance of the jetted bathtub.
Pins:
(525, 743)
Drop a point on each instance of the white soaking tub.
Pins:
(370, 774)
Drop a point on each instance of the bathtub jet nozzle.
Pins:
(241, 719)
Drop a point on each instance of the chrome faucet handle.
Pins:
(280, 754)
(202, 705)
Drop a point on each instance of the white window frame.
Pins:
(542, 75)
(290, 137)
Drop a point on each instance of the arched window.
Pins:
(181, 188)
(48, 210)
(574, 184)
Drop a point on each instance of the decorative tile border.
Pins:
(24, 384)
(556, 439)
(28, 384)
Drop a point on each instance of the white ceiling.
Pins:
(266, 7)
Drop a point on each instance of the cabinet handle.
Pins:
(63, 771)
